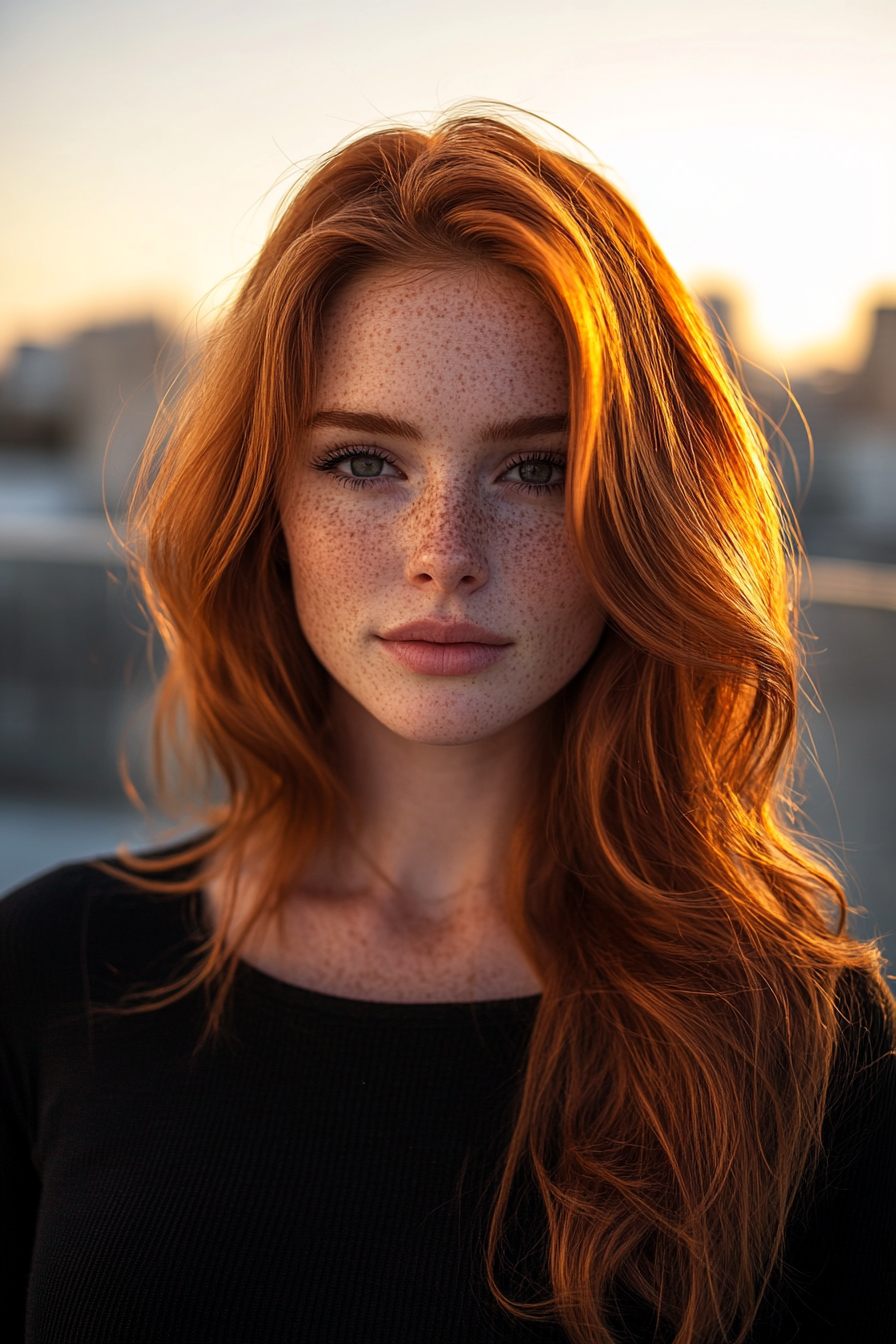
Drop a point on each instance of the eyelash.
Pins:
(345, 452)
(534, 489)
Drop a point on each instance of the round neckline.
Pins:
(337, 1005)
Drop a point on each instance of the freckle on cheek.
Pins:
(451, 350)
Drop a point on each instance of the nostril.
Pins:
(448, 572)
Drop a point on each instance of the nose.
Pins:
(445, 542)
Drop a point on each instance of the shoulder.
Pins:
(866, 1016)
(41, 921)
(63, 933)
(42, 905)
(862, 1094)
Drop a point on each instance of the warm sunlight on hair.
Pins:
(687, 943)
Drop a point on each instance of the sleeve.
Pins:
(840, 1262)
(19, 1183)
(19, 1193)
(60, 935)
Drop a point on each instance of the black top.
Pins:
(323, 1172)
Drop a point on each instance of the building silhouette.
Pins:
(833, 440)
(79, 412)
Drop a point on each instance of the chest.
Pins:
(302, 1179)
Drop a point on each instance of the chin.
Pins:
(441, 727)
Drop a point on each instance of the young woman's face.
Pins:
(433, 574)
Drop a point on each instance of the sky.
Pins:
(147, 144)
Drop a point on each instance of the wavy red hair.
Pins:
(677, 1072)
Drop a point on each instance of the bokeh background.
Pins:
(146, 147)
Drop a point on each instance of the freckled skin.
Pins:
(449, 531)
(405, 902)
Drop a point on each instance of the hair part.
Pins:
(678, 1068)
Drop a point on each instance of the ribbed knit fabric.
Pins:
(322, 1173)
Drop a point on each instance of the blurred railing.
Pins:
(73, 666)
(850, 583)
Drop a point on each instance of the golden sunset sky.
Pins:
(147, 143)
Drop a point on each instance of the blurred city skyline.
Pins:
(147, 146)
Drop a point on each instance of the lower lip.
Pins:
(444, 660)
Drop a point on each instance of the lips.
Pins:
(444, 648)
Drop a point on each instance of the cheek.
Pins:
(546, 582)
(336, 560)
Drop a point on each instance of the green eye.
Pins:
(367, 466)
(535, 473)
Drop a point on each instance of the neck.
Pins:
(408, 901)
(434, 823)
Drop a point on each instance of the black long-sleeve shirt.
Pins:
(322, 1172)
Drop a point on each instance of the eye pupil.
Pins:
(535, 473)
(367, 466)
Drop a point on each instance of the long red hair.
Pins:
(688, 944)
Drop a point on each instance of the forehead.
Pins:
(469, 335)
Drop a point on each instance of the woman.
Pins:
(497, 1002)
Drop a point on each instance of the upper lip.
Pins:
(445, 632)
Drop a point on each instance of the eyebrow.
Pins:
(498, 431)
(365, 422)
(526, 427)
